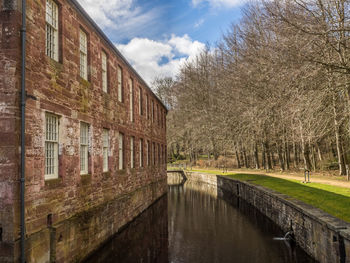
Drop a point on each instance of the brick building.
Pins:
(95, 136)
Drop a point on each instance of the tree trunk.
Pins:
(268, 156)
(338, 142)
(256, 156)
(238, 161)
(287, 155)
(305, 150)
(280, 157)
(245, 158)
(263, 156)
(295, 153)
(314, 160)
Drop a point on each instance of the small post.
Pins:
(306, 173)
(347, 172)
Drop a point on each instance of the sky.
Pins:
(158, 36)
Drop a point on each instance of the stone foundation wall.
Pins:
(325, 238)
(73, 239)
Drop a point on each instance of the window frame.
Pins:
(104, 70)
(120, 84)
(52, 29)
(84, 146)
(140, 102)
(148, 153)
(141, 161)
(54, 145)
(83, 54)
(147, 107)
(132, 152)
(131, 98)
(121, 144)
(105, 150)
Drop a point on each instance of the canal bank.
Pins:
(190, 224)
(325, 238)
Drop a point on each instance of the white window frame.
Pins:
(140, 101)
(105, 149)
(147, 110)
(121, 151)
(120, 84)
(132, 152)
(141, 152)
(51, 146)
(148, 153)
(84, 147)
(83, 55)
(51, 29)
(152, 111)
(154, 153)
(104, 71)
(131, 91)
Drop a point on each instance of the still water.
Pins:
(191, 225)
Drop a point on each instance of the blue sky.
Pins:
(158, 36)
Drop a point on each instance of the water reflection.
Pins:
(203, 229)
(191, 225)
(145, 240)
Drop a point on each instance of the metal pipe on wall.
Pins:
(23, 112)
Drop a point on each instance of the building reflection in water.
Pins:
(192, 225)
(145, 240)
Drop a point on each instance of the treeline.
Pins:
(275, 88)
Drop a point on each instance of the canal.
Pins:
(191, 225)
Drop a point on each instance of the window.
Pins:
(52, 29)
(121, 151)
(158, 152)
(148, 151)
(84, 148)
(105, 139)
(140, 101)
(120, 87)
(141, 152)
(132, 152)
(83, 55)
(104, 72)
(51, 146)
(131, 87)
(152, 111)
(154, 154)
(157, 114)
(147, 110)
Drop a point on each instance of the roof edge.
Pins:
(81, 10)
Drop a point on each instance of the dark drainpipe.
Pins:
(23, 112)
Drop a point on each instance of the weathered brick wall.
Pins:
(59, 89)
(9, 127)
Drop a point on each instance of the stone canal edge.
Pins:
(322, 236)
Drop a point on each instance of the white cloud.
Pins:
(122, 15)
(199, 23)
(220, 3)
(160, 58)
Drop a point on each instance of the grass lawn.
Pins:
(333, 200)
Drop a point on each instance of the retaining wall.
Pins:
(322, 236)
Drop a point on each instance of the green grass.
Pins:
(332, 199)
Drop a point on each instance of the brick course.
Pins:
(86, 209)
